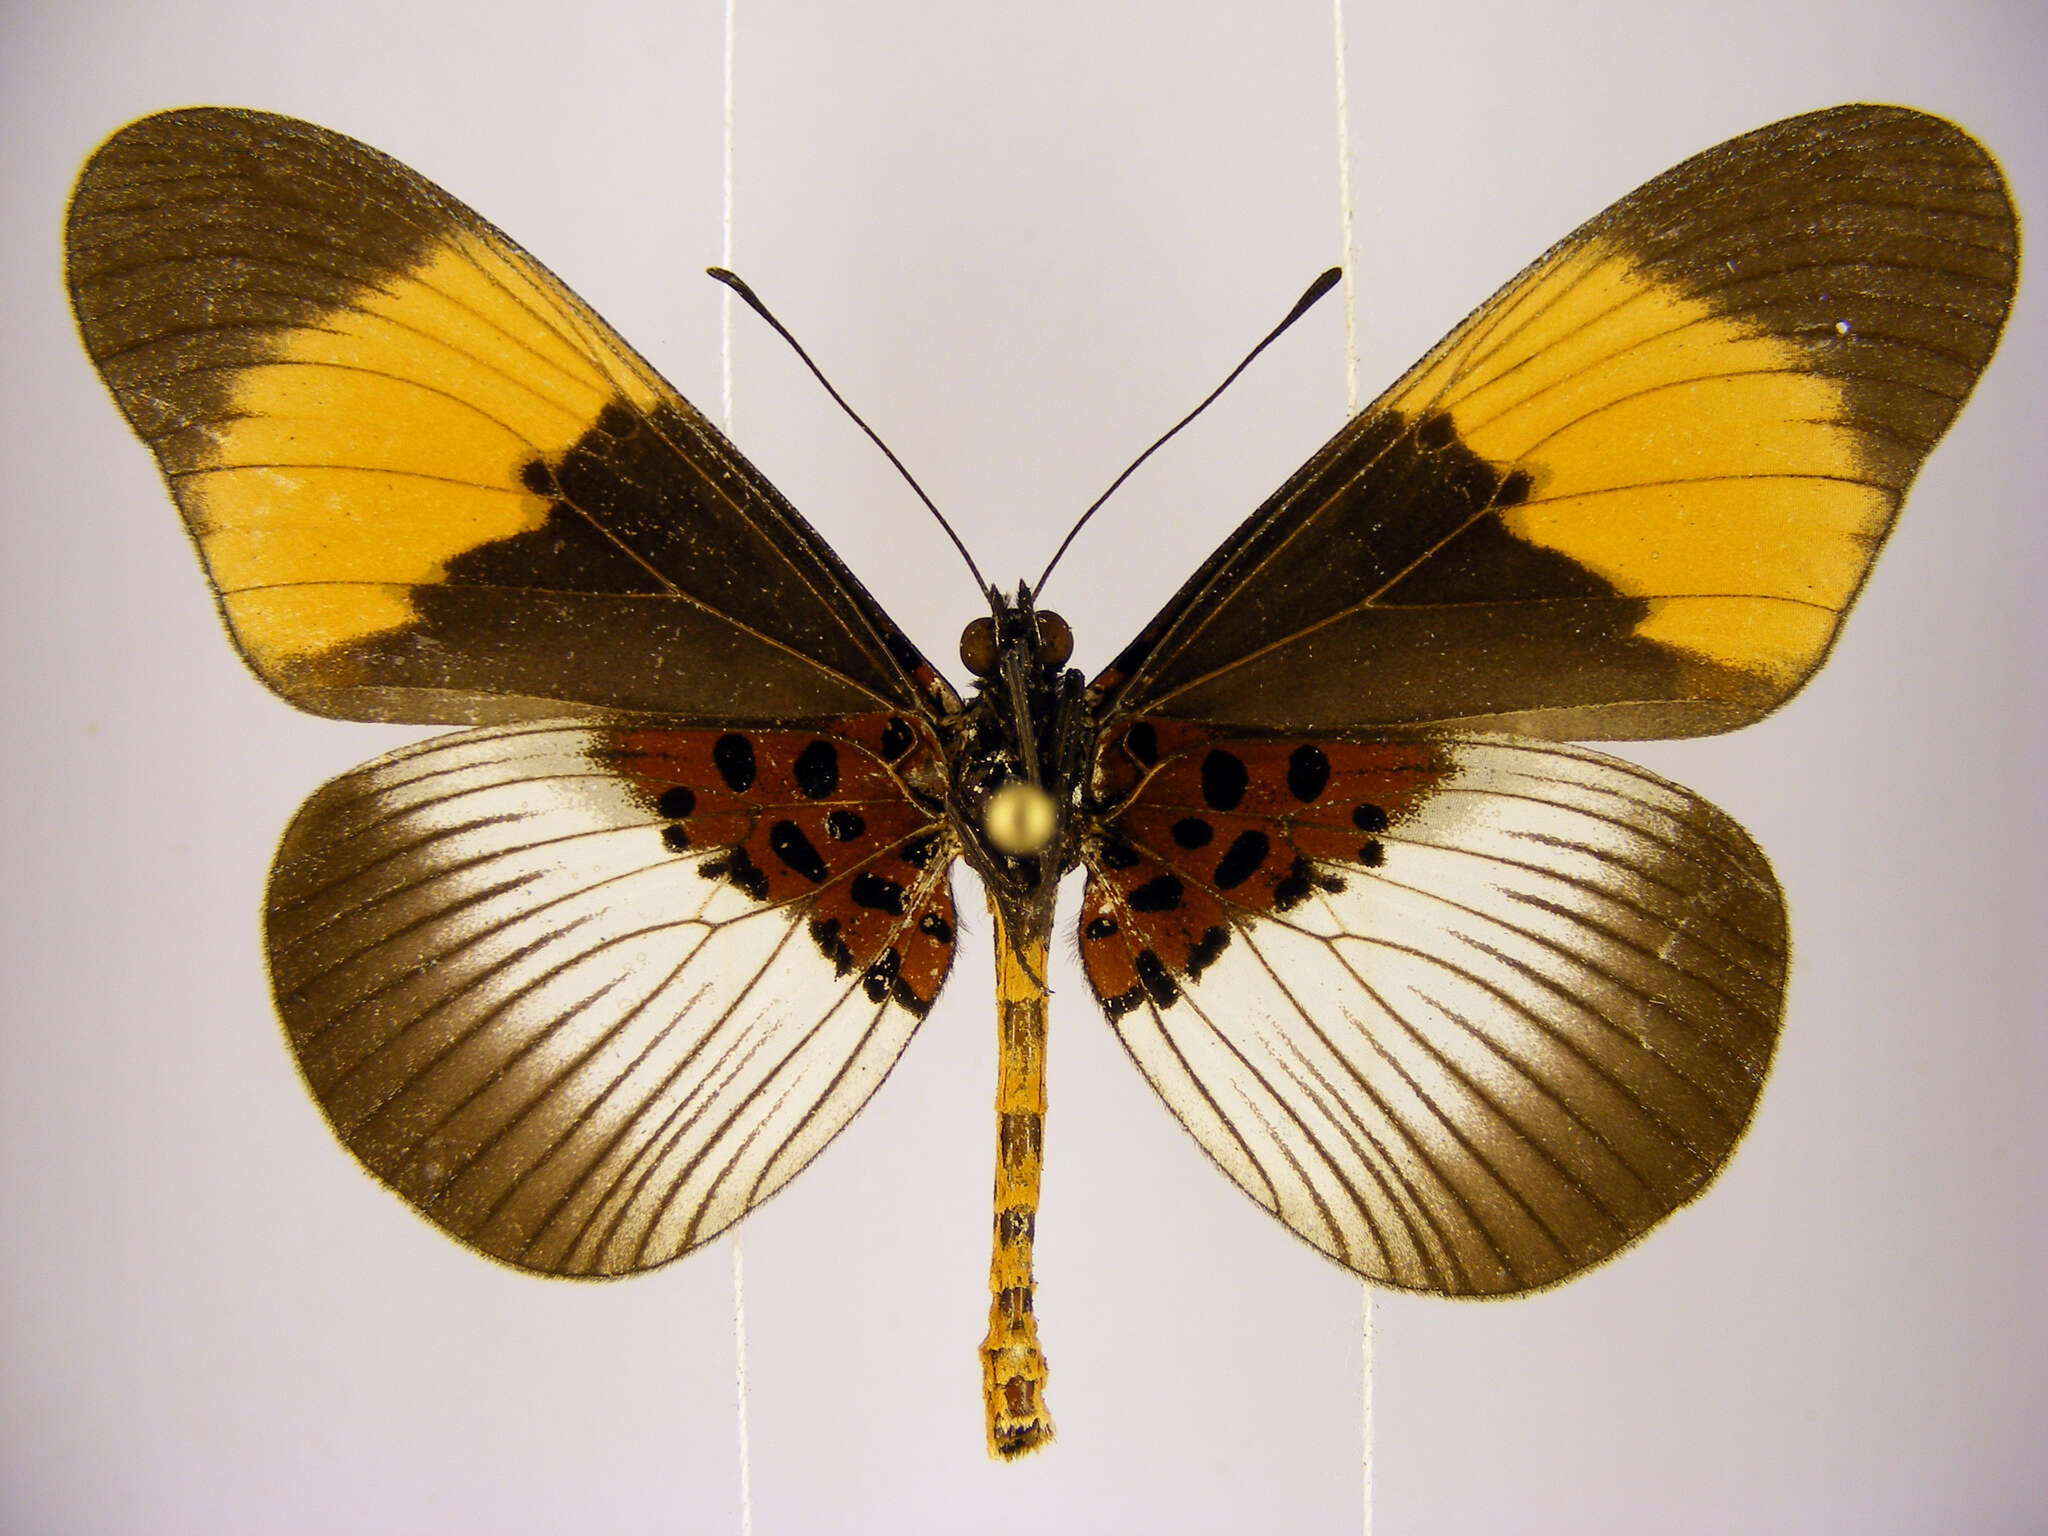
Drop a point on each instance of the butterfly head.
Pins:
(1016, 775)
(1039, 639)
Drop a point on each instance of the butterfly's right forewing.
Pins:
(1635, 493)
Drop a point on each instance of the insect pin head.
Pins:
(1020, 819)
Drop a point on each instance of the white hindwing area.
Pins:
(1535, 1024)
(570, 1044)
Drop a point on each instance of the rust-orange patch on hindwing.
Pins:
(1212, 830)
(824, 818)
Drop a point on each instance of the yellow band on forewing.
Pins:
(1677, 453)
(1778, 638)
(336, 525)
(280, 625)
(373, 447)
(1673, 539)
(294, 414)
(1751, 424)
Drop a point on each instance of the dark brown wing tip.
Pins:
(193, 234)
(286, 161)
(1879, 146)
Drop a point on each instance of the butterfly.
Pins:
(1466, 1007)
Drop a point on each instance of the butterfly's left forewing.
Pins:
(584, 995)
(428, 483)
(1466, 1014)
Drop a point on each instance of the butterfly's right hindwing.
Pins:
(584, 996)
(1467, 1014)
(427, 482)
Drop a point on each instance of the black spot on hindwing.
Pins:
(1242, 859)
(733, 756)
(1224, 780)
(825, 934)
(1115, 853)
(876, 978)
(1156, 979)
(1203, 952)
(1308, 771)
(1116, 1007)
(786, 839)
(876, 893)
(1301, 881)
(817, 770)
(739, 870)
(1162, 893)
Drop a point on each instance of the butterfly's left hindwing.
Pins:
(428, 483)
(1466, 1014)
(586, 995)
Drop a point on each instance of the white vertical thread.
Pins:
(1344, 205)
(725, 245)
(739, 1261)
(1365, 1341)
(739, 1362)
(1344, 209)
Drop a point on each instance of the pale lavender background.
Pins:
(1023, 239)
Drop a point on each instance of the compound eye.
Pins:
(978, 647)
(1055, 640)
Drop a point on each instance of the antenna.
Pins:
(1306, 302)
(738, 285)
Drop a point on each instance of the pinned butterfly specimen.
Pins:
(1464, 1007)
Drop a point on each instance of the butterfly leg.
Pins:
(1013, 1369)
